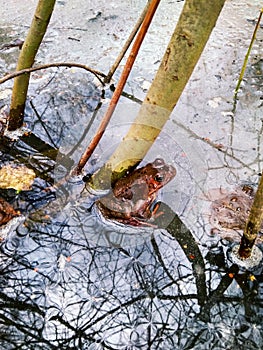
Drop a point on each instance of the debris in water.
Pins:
(19, 177)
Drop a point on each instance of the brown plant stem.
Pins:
(253, 223)
(117, 92)
(127, 44)
(50, 65)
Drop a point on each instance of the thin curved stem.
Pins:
(50, 65)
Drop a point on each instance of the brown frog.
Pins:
(230, 211)
(132, 198)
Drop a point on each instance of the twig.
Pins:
(247, 55)
(127, 44)
(16, 43)
(50, 65)
(213, 144)
(117, 92)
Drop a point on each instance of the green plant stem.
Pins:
(247, 55)
(253, 223)
(26, 59)
(190, 36)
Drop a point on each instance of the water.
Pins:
(69, 283)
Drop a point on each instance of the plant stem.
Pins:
(127, 44)
(117, 92)
(26, 59)
(253, 223)
(50, 65)
(190, 36)
(247, 55)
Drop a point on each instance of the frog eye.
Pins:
(158, 178)
(159, 162)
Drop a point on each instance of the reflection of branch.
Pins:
(49, 65)
(121, 306)
(159, 256)
(25, 329)
(86, 130)
(249, 294)
(217, 294)
(42, 124)
(188, 244)
(43, 170)
(12, 303)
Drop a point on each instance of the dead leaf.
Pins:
(19, 177)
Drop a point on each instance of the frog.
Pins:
(132, 200)
(230, 211)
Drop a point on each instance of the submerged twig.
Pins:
(247, 55)
(218, 147)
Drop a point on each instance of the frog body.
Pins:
(132, 199)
